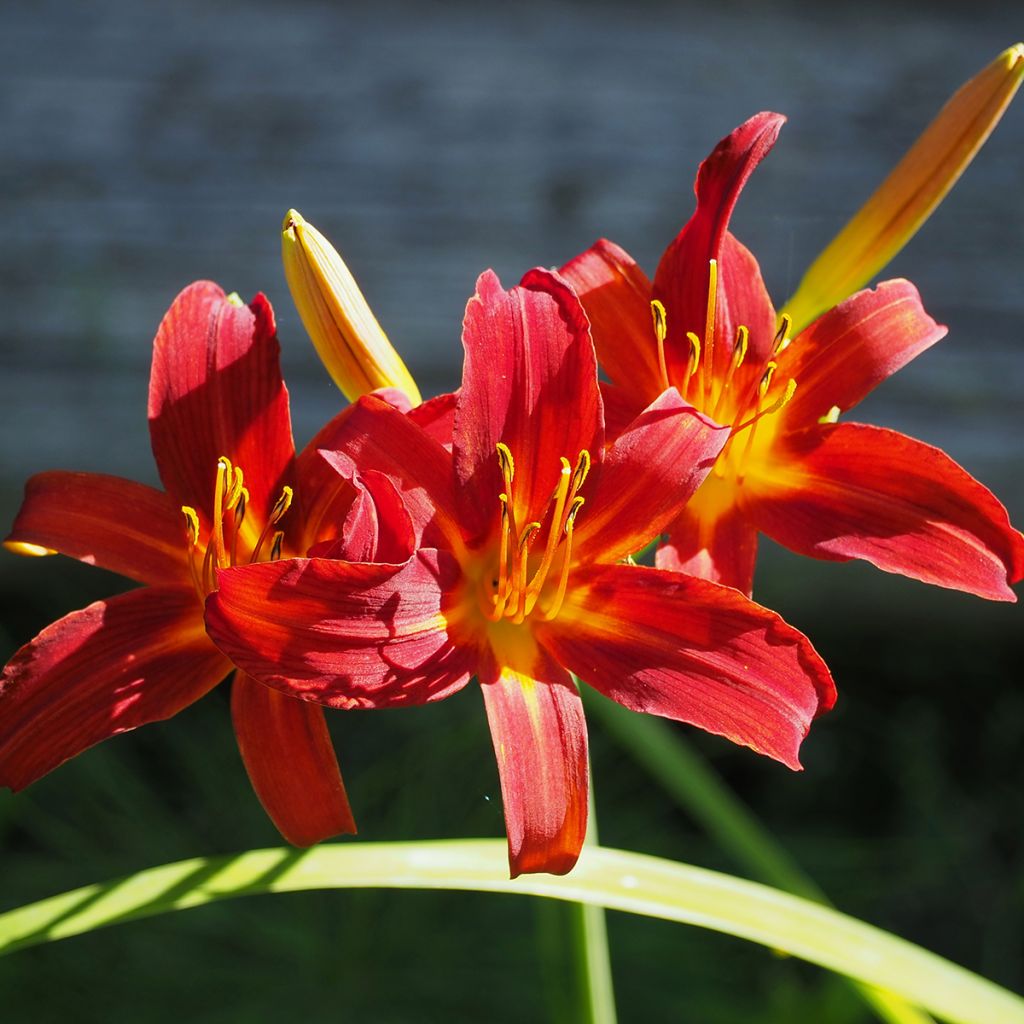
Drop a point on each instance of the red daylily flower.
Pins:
(512, 545)
(217, 407)
(825, 489)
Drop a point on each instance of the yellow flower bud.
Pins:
(350, 342)
(918, 183)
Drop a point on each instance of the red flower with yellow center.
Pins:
(234, 493)
(512, 548)
(830, 490)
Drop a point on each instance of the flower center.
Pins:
(221, 547)
(743, 395)
(523, 566)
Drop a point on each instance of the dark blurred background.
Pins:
(144, 145)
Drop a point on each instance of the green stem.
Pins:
(575, 961)
(614, 879)
(699, 789)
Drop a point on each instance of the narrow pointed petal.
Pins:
(529, 381)
(290, 760)
(117, 524)
(854, 491)
(348, 635)
(377, 437)
(118, 664)
(540, 740)
(681, 647)
(712, 539)
(647, 476)
(852, 348)
(347, 336)
(907, 197)
(682, 279)
(616, 296)
(216, 390)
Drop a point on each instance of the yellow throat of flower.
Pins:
(743, 396)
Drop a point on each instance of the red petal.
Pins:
(712, 539)
(348, 635)
(616, 296)
(854, 491)
(852, 348)
(216, 390)
(437, 417)
(648, 474)
(290, 759)
(376, 437)
(117, 524)
(540, 741)
(677, 646)
(116, 665)
(681, 281)
(530, 381)
(323, 496)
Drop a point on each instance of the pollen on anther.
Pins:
(191, 523)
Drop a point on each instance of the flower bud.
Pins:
(350, 342)
(918, 183)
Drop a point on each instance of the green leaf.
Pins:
(613, 879)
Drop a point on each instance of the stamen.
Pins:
(739, 353)
(563, 579)
(579, 474)
(235, 488)
(238, 516)
(519, 586)
(554, 531)
(660, 332)
(281, 506)
(783, 400)
(504, 588)
(517, 591)
(507, 463)
(275, 548)
(832, 416)
(191, 524)
(782, 338)
(192, 529)
(766, 379)
(694, 361)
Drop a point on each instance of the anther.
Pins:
(275, 548)
(579, 474)
(660, 333)
(832, 416)
(739, 353)
(693, 362)
(563, 578)
(782, 338)
(766, 379)
(191, 524)
(283, 503)
(507, 463)
(740, 347)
